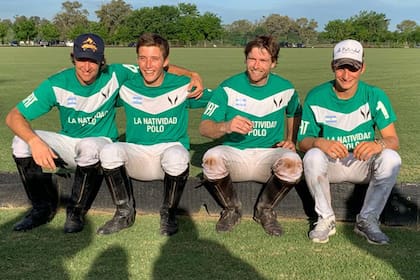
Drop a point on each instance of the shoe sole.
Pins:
(361, 233)
(317, 240)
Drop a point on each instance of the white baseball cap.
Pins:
(348, 52)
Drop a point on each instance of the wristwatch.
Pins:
(381, 142)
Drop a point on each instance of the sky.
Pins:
(321, 11)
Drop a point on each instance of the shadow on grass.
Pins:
(46, 252)
(113, 261)
(192, 257)
(40, 252)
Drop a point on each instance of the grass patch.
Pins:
(198, 252)
(394, 70)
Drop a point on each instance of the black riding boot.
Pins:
(272, 193)
(41, 191)
(87, 181)
(121, 189)
(223, 192)
(173, 186)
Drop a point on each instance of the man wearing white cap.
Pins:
(337, 132)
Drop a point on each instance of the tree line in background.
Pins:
(183, 25)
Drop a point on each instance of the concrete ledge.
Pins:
(402, 207)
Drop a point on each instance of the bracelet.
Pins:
(381, 142)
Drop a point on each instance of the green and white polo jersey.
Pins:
(266, 106)
(84, 110)
(158, 114)
(349, 121)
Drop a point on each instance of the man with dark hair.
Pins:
(156, 107)
(249, 111)
(85, 96)
(337, 133)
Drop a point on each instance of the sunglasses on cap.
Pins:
(349, 67)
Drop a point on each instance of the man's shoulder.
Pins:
(121, 68)
(234, 79)
(319, 89)
(170, 77)
(368, 87)
(64, 75)
(279, 79)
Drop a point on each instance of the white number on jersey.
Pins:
(381, 107)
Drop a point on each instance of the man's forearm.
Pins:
(213, 130)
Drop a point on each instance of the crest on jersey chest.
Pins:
(240, 102)
(71, 101)
(330, 119)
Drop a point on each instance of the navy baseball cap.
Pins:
(89, 46)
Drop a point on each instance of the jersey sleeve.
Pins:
(202, 101)
(39, 102)
(216, 107)
(294, 108)
(126, 72)
(308, 125)
(383, 113)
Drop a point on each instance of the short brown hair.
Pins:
(153, 40)
(264, 42)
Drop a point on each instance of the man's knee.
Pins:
(88, 150)
(20, 148)
(112, 156)
(213, 164)
(288, 168)
(390, 163)
(176, 160)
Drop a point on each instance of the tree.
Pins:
(240, 32)
(369, 26)
(189, 30)
(279, 26)
(406, 28)
(415, 35)
(306, 29)
(337, 30)
(72, 17)
(5, 25)
(112, 16)
(24, 28)
(188, 10)
(210, 26)
(166, 20)
(162, 20)
(48, 31)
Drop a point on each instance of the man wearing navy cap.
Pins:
(85, 96)
(337, 132)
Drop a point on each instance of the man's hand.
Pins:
(286, 144)
(42, 154)
(196, 86)
(239, 125)
(365, 150)
(333, 149)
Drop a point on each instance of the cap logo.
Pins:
(89, 44)
(348, 50)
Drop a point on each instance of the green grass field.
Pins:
(394, 70)
(197, 252)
